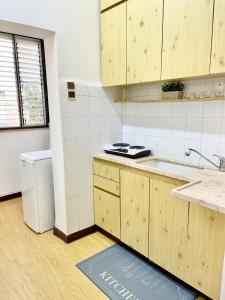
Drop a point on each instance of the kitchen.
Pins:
(158, 95)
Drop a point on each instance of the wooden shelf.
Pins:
(170, 100)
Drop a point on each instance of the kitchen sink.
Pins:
(170, 167)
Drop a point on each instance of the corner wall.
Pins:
(90, 123)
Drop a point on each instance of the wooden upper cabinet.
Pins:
(135, 210)
(187, 33)
(218, 52)
(113, 46)
(107, 3)
(144, 40)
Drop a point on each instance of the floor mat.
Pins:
(120, 274)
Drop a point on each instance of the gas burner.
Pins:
(137, 147)
(121, 145)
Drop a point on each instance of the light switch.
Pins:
(70, 85)
(71, 93)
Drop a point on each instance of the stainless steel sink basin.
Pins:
(170, 167)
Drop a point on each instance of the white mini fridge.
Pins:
(37, 190)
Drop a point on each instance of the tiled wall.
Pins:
(170, 128)
(90, 122)
(93, 121)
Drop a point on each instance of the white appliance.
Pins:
(124, 149)
(37, 190)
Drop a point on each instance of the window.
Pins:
(23, 89)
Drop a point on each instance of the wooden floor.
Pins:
(41, 266)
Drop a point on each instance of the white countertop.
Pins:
(205, 187)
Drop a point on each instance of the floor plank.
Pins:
(41, 266)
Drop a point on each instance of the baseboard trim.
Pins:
(74, 236)
(10, 196)
(109, 235)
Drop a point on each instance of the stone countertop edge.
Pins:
(134, 163)
(192, 190)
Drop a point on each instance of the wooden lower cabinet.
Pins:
(134, 210)
(167, 227)
(107, 185)
(106, 170)
(186, 239)
(205, 250)
(107, 212)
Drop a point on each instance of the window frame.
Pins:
(17, 75)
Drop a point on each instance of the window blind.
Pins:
(9, 110)
(22, 87)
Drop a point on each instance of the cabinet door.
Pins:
(167, 228)
(107, 212)
(107, 3)
(218, 53)
(144, 40)
(206, 246)
(135, 211)
(187, 33)
(113, 46)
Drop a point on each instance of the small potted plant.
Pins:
(172, 90)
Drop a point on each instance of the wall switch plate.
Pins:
(70, 85)
(71, 94)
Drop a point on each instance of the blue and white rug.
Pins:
(121, 274)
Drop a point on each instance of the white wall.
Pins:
(12, 143)
(76, 23)
(76, 41)
(90, 123)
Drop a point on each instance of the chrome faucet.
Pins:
(221, 165)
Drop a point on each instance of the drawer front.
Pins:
(106, 171)
(107, 185)
(107, 212)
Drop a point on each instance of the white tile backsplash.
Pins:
(177, 148)
(164, 129)
(194, 128)
(170, 128)
(94, 121)
(212, 110)
(69, 127)
(211, 130)
(82, 104)
(195, 109)
(86, 219)
(178, 127)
